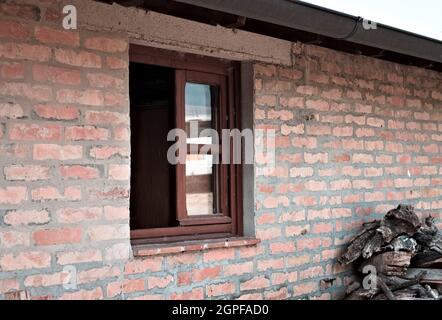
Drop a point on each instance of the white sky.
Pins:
(419, 16)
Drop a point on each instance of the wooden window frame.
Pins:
(226, 75)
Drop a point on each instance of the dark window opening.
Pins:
(152, 115)
(199, 198)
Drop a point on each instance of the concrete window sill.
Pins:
(196, 245)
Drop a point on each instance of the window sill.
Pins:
(146, 250)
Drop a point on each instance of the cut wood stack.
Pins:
(397, 258)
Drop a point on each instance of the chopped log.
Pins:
(374, 245)
(431, 292)
(432, 276)
(356, 246)
(362, 294)
(405, 294)
(401, 220)
(429, 236)
(402, 243)
(385, 289)
(355, 285)
(397, 283)
(390, 263)
(427, 259)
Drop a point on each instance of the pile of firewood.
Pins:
(397, 258)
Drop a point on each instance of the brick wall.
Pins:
(355, 136)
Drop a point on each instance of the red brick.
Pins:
(274, 202)
(121, 133)
(57, 236)
(194, 294)
(238, 269)
(265, 69)
(56, 75)
(7, 285)
(184, 278)
(26, 173)
(76, 215)
(218, 254)
(10, 110)
(206, 273)
(93, 294)
(13, 195)
(10, 239)
(77, 58)
(319, 105)
(112, 99)
(182, 259)
(159, 282)
(71, 193)
(258, 282)
(296, 230)
(312, 243)
(313, 185)
(25, 260)
(126, 286)
(92, 275)
(268, 218)
(318, 130)
(291, 102)
(312, 158)
(83, 97)
(343, 131)
(152, 264)
(107, 152)
(86, 133)
(52, 36)
(106, 44)
(22, 131)
(304, 288)
(12, 29)
(119, 172)
(55, 112)
(12, 70)
(22, 51)
(47, 280)
(100, 80)
(319, 214)
(311, 272)
(57, 152)
(322, 228)
(374, 196)
(341, 213)
(116, 63)
(105, 117)
(362, 158)
(26, 90)
(282, 247)
(79, 172)
(116, 213)
(221, 289)
(282, 277)
(108, 232)
(265, 100)
(74, 257)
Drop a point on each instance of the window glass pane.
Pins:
(199, 185)
(198, 111)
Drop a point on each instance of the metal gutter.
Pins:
(328, 23)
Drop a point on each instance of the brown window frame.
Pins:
(225, 75)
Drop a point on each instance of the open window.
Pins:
(200, 197)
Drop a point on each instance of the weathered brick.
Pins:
(106, 44)
(57, 236)
(22, 131)
(57, 152)
(53, 36)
